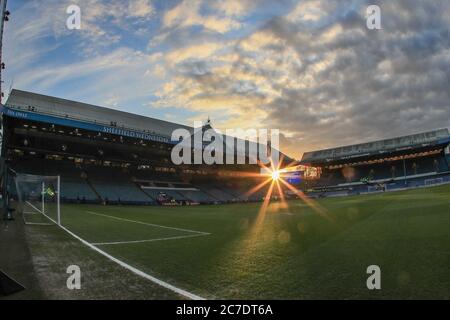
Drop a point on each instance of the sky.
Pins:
(311, 69)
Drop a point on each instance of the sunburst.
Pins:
(276, 177)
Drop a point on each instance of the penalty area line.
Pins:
(140, 273)
(147, 224)
(125, 265)
(150, 240)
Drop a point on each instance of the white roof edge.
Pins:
(89, 112)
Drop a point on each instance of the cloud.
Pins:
(259, 40)
(140, 8)
(186, 14)
(321, 76)
(307, 11)
(309, 68)
(199, 51)
(103, 24)
(116, 80)
(234, 8)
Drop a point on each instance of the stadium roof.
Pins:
(58, 107)
(38, 107)
(409, 142)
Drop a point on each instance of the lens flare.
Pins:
(275, 175)
(276, 179)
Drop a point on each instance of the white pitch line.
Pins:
(149, 240)
(31, 205)
(29, 212)
(146, 224)
(125, 265)
(38, 224)
(30, 223)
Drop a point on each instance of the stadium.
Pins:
(112, 157)
(95, 208)
(405, 162)
(113, 188)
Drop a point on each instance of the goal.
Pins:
(38, 198)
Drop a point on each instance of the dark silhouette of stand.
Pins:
(8, 285)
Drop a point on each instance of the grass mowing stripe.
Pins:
(146, 224)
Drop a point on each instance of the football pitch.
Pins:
(238, 251)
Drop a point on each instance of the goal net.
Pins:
(38, 198)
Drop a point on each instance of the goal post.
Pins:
(38, 198)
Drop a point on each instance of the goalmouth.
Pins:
(38, 199)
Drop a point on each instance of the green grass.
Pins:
(293, 254)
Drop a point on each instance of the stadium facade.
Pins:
(111, 156)
(391, 164)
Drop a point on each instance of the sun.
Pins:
(275, 175)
